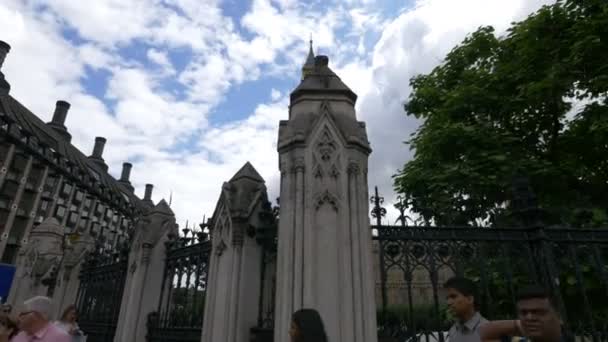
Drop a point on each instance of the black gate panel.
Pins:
(102, 281)
(182, 300)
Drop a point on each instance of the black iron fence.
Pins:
(266, 236)
(182, 301)
(102, 281)
(414, 261)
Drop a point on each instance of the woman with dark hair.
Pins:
(307, 326)
(68, 323)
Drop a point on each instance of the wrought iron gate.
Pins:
(182, 301)
(414, 262)
(102, 281)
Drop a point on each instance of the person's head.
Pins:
(537, 313)
(8, 327)
(307, 326)
(69, 314)
(35, 314)
(460, 297)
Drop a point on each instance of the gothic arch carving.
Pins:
(326, 154)
(326, 197)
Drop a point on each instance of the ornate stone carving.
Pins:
(318, 173)
(145, 253)
(157, 222)
(326, 159)
(220, 248)
(326, 197)
(298, 165)
(325, 108)
(326, 145)
(284, 168)
(238, 234)
(353, 168)
(334, 172)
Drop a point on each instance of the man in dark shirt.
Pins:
(539, 321)
(461, 297)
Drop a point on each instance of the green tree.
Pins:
(501, 105)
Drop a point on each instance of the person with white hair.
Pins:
(35, 325)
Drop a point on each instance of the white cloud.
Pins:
(161, 59)
(147, 121)
(275, 94)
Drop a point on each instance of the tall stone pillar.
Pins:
(233, 292)
(324, 248)
(146, 265)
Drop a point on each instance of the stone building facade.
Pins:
(397, 290)
(51, 189)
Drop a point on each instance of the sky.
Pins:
(190, 90)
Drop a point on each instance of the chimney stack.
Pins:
(5, 87)
(58, 122)
(148, 194)
(4, 49)
(97, 156)
(61, 112)
(100, 143)
(125, 175)
(321, 61)
(126, 172)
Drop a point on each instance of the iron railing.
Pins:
(182, 301)
(414, 261)
(102, 280)
(266, 236)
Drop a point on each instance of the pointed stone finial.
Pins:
(309, 65)
(249, 172)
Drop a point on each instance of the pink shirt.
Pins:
(50, 333)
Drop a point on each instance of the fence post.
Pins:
(527, 212)
(378, 212)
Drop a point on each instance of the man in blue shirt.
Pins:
(538, 320)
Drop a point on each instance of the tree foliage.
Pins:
(533, 100)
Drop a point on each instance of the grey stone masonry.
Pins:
(324, 244)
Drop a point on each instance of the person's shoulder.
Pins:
(58, 332)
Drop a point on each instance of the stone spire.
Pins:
(309, 65)
(324, 228)
(233, 290)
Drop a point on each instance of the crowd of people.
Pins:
(537, 320)
(33, 323)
